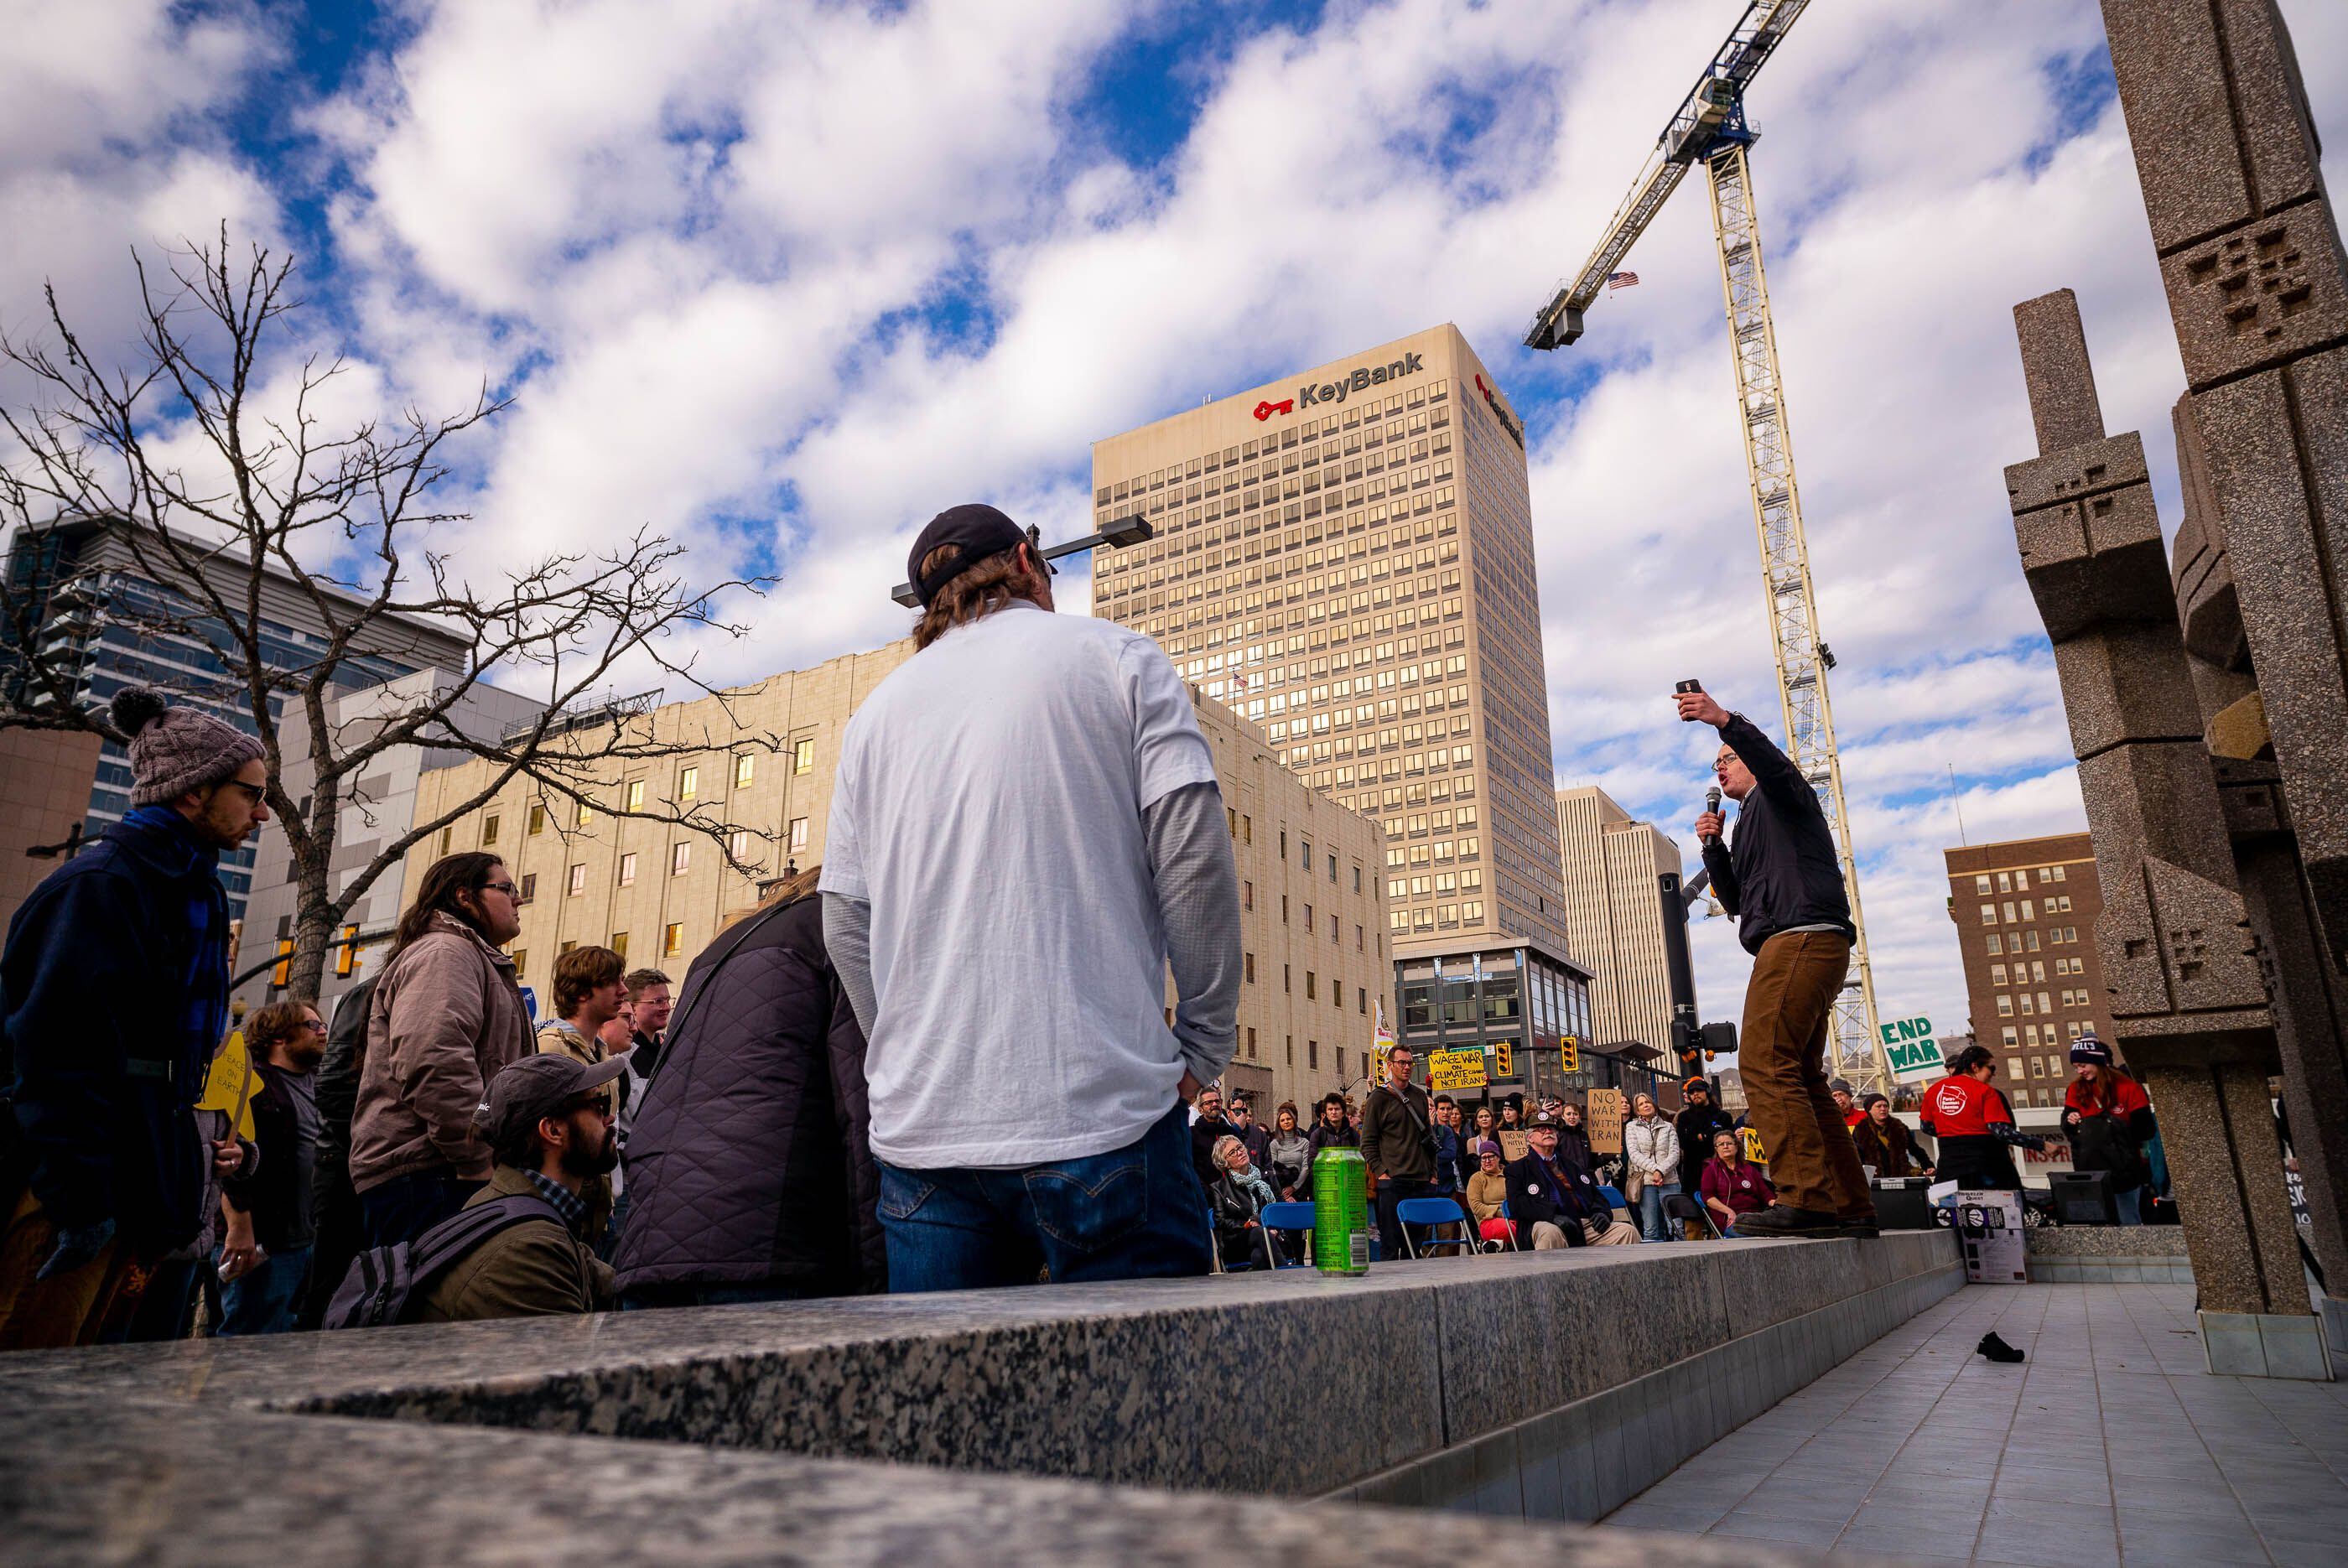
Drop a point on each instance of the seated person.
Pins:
(1237, 1196)
(548, 1122)
(1558, 1202)
(1733, 1185)
(1488, 1191)
(1885, 1143)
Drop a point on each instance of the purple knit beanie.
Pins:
(176, 750)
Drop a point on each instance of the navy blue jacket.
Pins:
(113, 1000)
(1780, 867)
(1536, 1193)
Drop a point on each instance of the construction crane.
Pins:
(1710, 129)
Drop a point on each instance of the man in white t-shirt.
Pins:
(1025, 832)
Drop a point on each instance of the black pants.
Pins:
(1392, 1192)
(1977, 1163)
(404, 1207)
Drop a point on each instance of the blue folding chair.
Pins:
(1513, 1243)
(1431, 1212)
(1289, 1217)
(1614, 1199)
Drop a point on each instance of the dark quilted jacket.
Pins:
(749, 1159)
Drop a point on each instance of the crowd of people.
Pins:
(940, 1059)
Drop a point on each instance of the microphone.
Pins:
(1712, 803)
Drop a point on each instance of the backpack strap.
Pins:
(447, 1243)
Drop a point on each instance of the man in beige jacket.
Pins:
(445, 1017)
(589, 992)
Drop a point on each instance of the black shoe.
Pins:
(1778, 1220)
(1997, 1349)
(1862, 1227)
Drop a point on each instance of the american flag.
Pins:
(1621, 281)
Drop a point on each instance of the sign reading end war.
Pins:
(1448, 1070)
(1913, 1051)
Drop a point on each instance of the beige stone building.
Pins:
(1317, 957)
(1613, 913)
(1345, 557)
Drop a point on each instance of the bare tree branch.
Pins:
(345, 524)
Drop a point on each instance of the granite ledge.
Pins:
(96, 1482)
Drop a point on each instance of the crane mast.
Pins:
(1710, 128)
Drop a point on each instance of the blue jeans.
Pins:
(2130, 1205)
(1135, 1213)
(1652, 1226)
(262, 1301)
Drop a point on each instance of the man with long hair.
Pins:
(1025, 832)
(446, 1016)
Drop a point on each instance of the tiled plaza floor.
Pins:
(2110, 1445)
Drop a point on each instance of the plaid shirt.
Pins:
(567, 1203)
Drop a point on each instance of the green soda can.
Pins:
(1340, 1212)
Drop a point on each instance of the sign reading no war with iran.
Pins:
(1913, 1051)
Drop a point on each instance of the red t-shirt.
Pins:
(1962, 1106)
(2125, 1097)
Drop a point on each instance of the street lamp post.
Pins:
(1124, 532)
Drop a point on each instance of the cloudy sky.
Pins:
(784, 279)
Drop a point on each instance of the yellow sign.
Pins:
(1502, 1064)
(1455, 1070)
(230, 1087)
(1753, 1146)
(1604, 1116)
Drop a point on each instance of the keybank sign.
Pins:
(1361, 379)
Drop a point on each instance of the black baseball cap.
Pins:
(536, 1087)
(979, 530)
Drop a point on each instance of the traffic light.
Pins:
(346, 955)
(1568, 1054)
(1503, 1064)
(283, 974)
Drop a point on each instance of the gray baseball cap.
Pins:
(535, 1086)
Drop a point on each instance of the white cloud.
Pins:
(781, 280)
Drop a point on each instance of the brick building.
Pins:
(2025, 916)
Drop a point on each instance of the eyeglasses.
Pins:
(506, 888)
(317, 1024)
(253, 792)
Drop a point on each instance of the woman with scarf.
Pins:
(1289, 1156)
(1238, 1195)
(1885, 1143)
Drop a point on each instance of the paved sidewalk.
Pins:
(2110, 1445)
